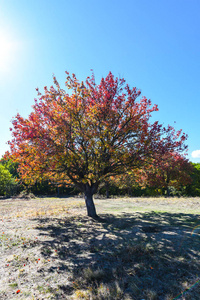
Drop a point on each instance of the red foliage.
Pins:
(169, 169)
(92, 133)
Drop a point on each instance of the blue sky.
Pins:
(154, 45)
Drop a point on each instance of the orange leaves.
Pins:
(168, 169)
(94, 131)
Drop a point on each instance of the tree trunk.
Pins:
(168, 192)
(91, 210)
(58, 191)
(107, 189)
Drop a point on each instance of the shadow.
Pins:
(139, 254)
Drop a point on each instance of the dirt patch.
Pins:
(51, 250)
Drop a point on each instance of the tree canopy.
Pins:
(88, 134)
(169, 170)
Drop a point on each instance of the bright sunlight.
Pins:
(9, 47)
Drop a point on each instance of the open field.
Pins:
(144, 249)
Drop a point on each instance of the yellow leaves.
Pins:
(81, 134)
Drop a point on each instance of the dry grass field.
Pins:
(144, 248)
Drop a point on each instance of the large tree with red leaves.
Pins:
(88, 135)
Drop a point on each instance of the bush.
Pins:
(26, 195)
(7, 182)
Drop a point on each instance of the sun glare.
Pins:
(9, 47)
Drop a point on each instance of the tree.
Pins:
(10, 166)
(131, 182)
(193, 189)
(169, 170)
(95, 132)
(6, 181)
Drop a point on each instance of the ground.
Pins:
(144, 248)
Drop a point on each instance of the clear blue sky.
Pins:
(153, 44)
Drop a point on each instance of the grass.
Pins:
(146, 248)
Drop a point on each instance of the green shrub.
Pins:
(7, 182)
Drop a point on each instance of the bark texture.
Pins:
(91, 210)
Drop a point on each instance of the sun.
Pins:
(9, 47)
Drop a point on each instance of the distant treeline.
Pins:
(11, 185)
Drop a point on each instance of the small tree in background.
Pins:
(7, 182)
(169, 170)
(12, 167)
(193, 189)
(95, 132)
(131, 182)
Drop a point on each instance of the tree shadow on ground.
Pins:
(128, 256)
